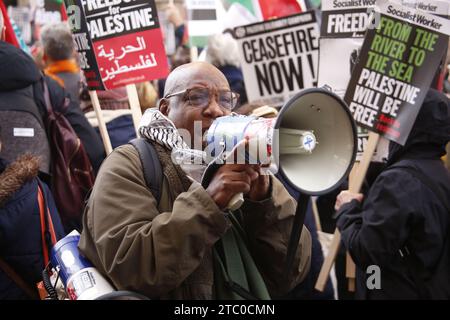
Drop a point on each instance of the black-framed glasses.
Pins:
(201, 97)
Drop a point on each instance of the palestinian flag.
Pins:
(202, 21)
(269, 9)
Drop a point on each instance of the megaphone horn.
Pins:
(326, 129)
(312, 142)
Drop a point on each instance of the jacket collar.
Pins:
(16, 174)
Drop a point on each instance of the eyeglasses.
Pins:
(201, 97)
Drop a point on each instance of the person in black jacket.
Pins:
(403, 225)
(18, 72)
(20, 228)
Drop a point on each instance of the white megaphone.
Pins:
(312, 143)
(80, 279)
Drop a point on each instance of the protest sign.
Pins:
(345, 18)
(83, 45)
(47, 12)
(397, 62)
(125, 38)
(202, 21)
(279, 57)
(337, 58)
(381, 151)
(22, 18)
(438, 7)
(400, 57)
(344, 24)
(31, 17)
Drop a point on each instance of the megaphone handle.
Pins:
(236, 202)
(296, 232)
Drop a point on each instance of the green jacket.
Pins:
(165, 250)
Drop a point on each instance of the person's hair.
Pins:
(223, 50)
(57, 41)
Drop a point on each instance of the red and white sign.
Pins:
(131, 58)
(124, 39)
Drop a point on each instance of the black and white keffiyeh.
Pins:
(156, 127)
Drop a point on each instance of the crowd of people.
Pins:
(178, 243)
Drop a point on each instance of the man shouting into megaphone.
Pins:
(179, 242)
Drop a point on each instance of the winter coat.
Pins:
(18, 71)
(20, 229)
(401, 210)
(165, 250)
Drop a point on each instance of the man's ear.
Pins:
(164, 106)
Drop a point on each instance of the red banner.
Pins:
(10, 35)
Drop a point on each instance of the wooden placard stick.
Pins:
(101, 123)
(328, 262)
(135, 106)
(194, 54)
(355, 187)
(316, 214)
(350, 272)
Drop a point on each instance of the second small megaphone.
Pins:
(312, 142)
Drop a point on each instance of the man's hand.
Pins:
(345, 197)
(259, 189)
(230, 180)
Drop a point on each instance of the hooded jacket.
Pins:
(20, 231)
(18, 72)
(401, 210)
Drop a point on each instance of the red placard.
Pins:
(119, 41)
(131, 58)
